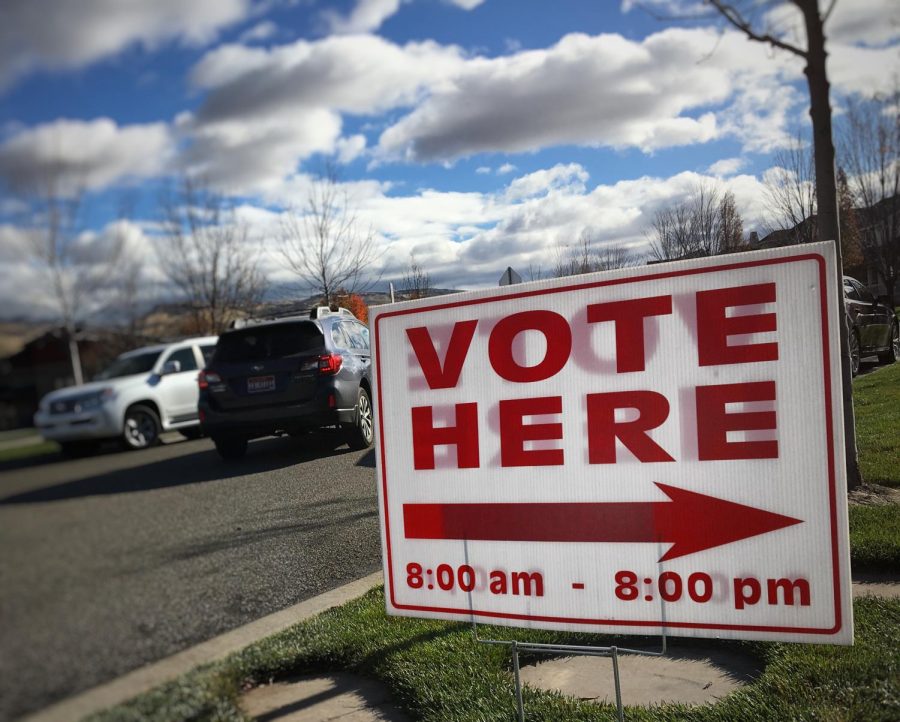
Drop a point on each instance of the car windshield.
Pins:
(139, 363)
(281, 340)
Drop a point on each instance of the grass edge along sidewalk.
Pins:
(437, 672)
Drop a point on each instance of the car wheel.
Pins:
(230, 448)
(893, 352)
(142, 427)
(854, 352)
(191, 433)
(78, 449)
(361, 434)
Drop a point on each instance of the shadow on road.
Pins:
(367, 460)
(104, 448)
(264, 455)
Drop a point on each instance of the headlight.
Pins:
(95, 400)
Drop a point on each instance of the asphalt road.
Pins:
(112, 562)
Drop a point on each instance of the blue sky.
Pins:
(470, 134)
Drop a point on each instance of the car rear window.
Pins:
(281, 340)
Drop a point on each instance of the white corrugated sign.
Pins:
(644, 450)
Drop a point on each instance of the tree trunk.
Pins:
(826, 198)
(75, 357)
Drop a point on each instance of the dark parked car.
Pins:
(873, 325)
(288, 376)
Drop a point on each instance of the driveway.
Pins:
(112, 562)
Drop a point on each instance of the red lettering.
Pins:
(514, 433)
(436, 376)
(714, 423)
(464, 436)
(559, 343)
(629, 319)
(603, 429)
(714, 327)
(746, 591)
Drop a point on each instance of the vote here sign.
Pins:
(644, 450)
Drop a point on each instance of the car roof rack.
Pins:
(323, 311)
(244, 322)
(315, 313)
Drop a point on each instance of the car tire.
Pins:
(78, 449)
(855, 353)
(142, 427)
(893, 352)
(192, 433)
(361, 434)
(230, 448)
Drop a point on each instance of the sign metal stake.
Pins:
(539, 648)
(583, 650)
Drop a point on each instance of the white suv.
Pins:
(141, 394)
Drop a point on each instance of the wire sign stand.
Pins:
(515, 647)
(612, 652)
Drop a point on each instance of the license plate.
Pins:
(258, 384)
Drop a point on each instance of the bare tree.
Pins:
(416, 282)
(730, 226)
(870, 149)
(207, 256)
(128, 295)
(790, 192)
(851, 231)
(741, 16)
(534, 272)
(586, 257)
(78, 265)
(324, 243)
(707, 223)
(671, 234)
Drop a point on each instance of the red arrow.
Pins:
(691, 522)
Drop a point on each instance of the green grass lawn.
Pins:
(875, 538)
(14, 434)
(438, 673)
(41, 448)
(876, 401)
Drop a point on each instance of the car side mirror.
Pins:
(171, 367)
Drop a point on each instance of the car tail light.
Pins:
(208, 377)
(330, 364)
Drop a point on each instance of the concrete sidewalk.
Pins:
(146, 678)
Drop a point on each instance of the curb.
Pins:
(146, 678)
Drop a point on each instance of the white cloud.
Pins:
(604, 90)
(366, 16)
(871, 23)
(261, 31)
(348, 149)
(726, 167)
(483, 170)
(251, 156)
(567, 178)
(465, 240)
(48, 34)
(360, 74)
(76, 154)
(673, 88)
(506, 168)
(267, 109)
(466, 4)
